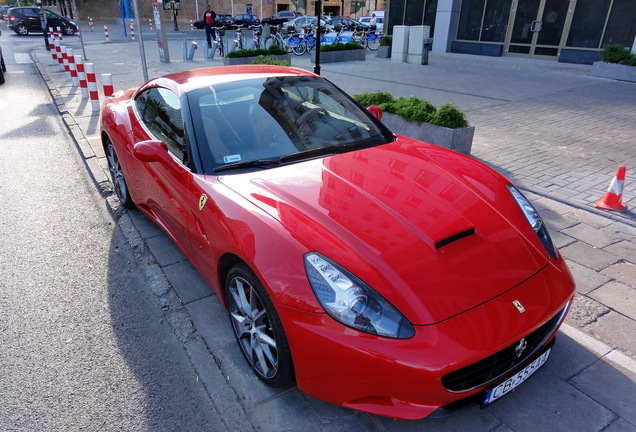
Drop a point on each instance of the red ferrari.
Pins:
(377, 272)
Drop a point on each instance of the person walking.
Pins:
(208, 20)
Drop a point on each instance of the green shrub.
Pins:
(631, 61)
(377, 98)
(616, 54)
(341, 47)
(270, 60)
(448, 115)
(386, 41)
(414, 109)
(273, 50)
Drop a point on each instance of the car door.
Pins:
(162, 188)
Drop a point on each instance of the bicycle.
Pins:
(257, 31)
(369, 39)
(238, 39)
(275, 38)
(218, 39)
(297, 42)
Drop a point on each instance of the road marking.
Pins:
(22, 58)
(14, 72)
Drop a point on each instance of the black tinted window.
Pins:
(160, 110)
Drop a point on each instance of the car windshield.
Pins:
(264, 122)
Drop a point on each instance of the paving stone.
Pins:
(187, 281)
(618, 296)
(623, 249)
(589, 218)
(569, 357)
(164, 250)
(585, 278)
(560, 240)
(588, 255)
(145, 226)
(602, 375)
(473, 419)
(591, 235)
(624, 272)
(620, 425)
(551, 404)
(212, 322)
(615, 330)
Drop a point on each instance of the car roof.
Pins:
(183, 82)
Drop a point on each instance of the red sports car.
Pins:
(377, 272)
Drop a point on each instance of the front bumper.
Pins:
(403, 377)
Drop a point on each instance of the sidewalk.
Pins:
(556, 132)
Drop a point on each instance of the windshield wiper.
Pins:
(322, 151)
(258, 163)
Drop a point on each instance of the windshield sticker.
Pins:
(232, 158)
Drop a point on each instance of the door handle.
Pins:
(536, 26)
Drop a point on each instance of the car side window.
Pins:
(30, 12)
(160, 110)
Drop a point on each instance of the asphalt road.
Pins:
(84, 344)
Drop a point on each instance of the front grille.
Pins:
(496, 365)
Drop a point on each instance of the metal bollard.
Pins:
(209, 52)
(189, 55)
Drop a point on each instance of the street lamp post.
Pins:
(318, 14)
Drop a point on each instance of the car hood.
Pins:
(436, 233)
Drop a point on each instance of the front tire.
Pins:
(69, 31)
(257, 327)
(117, 176)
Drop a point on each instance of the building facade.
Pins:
(570, 31)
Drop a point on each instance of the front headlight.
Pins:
(535, 220)
(352, 302)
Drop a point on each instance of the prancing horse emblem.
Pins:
(521, 347)
(202, 201)
(519, 306)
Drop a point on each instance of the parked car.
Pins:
(3, 67)
(376, 271)
(348, 23)
(246, 20)
(299, 24)
(281, 17)
(367, 21)
(25, 20)
(221, 20)
(3, 12)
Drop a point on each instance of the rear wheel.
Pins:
(373, 41)
(117, 176)
(22, 30)
(257, 327)
(69, 31)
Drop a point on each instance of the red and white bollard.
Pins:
(65, 62)
(132, 29)
(58, 51)
(81, 76)
(106, 33)
(91, 24)
(52, 45)
(151, 25)
(92, 86)
(71, 66)
(59, 33)
(107, 83)
(191, 26)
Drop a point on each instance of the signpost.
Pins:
(162, 39)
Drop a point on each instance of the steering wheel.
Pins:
(314, 112)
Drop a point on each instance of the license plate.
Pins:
(514, 381)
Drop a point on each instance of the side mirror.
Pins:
(151, 151)
(375, 111)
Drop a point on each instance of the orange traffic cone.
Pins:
(612, 198)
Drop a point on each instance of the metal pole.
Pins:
(142, 53)
(43, 24)
(318, 14)
(80, 30)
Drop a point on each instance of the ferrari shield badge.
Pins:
(519, 306)
(202, 201)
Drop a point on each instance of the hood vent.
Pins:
(454, 238)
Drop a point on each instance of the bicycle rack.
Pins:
(188, 56)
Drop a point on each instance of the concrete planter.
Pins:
(383, 52)
(233, 61)
(613, 71)
(339, 56)
(459, 140)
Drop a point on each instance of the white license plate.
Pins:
(514, 381)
